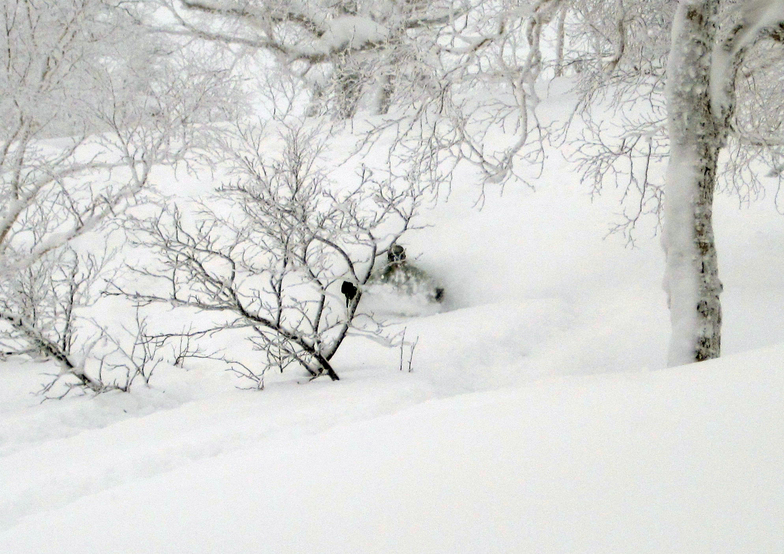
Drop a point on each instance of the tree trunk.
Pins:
(348, 87)
(560, 34)
(44, 346)
(696, 137)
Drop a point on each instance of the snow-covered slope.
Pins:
(537, 418)
(684, 460)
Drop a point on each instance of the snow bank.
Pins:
(685, 460)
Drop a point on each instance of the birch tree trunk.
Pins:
(696, 137)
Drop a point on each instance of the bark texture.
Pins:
(696, 138)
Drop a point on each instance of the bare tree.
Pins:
(477, 77)
(701, 97)
(274, 248)
(39, 309)
(721, 94)
(341, 50)
(88, 109)
(617, 51)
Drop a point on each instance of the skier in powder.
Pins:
(407, 278)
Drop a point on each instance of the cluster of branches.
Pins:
(428, 60)
(341, 51)
(89, 106)
(274, 250)
(621, 49)
(432, 59)
(39, 305)
(95, 94)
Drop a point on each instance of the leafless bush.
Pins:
(116, 359)
(89, 106)
(273, 248)
(133, 359)
(39, 310)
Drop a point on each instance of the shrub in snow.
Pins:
(274, 250)
(39, 308)
(88, 107)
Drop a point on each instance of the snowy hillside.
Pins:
(684, 460)
(502, 439)
(206, 207)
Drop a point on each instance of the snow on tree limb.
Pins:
(756, 16)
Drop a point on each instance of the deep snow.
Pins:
(538, 416)
(684, 460)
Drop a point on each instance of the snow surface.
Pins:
(537, 418)
(686, 460)
(350, 31)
